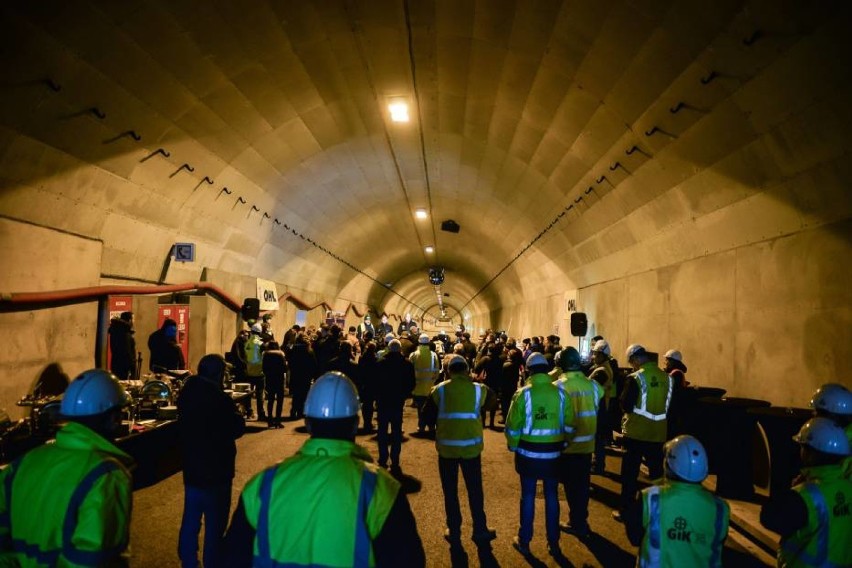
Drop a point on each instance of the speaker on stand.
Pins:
(579, 327)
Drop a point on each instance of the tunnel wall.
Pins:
(39, 259)
(769, 320)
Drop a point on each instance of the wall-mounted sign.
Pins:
(267, 293)
(185, 252)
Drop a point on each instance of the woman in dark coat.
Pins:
(303, 370)
(274, 369)
(509, 381)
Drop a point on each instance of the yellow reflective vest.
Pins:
(584, 395)
(426, 369)
(322, 507)
(647, 422)
(540, 419)
(824, 541)
(458, 433)
(685, 526)
(68, 503)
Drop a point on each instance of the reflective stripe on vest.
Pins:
(443, 414)
(538, 455)
(528, 418)
(796, 549)
(433, 367)
(361, 556)
(69, 525)
(641, 407)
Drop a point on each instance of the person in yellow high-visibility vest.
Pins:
(427, 367)
(814, 519)
(328, 505)
(69, 503)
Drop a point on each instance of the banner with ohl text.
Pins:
(267, 293)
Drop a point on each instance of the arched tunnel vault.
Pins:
(677, 170)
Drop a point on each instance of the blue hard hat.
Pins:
(824, 435)
(686, 458)
(93, 392)
(833, 398)
(332, 395)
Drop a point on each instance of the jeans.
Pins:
(471, 469)
(551, 508)
(635, 451)
(258, 383)
(276, 397)
(419, 403)
(214, 504)
(390, 418)
(576, 478)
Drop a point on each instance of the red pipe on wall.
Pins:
(11, 302)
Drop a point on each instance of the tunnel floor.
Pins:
(157, 509)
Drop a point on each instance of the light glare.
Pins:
(398, 111)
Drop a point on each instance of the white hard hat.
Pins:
(686, 458)
(674, 354)
(332, 395)
(824, 435)
(601, 346)
(93, 392)
(537, 359)
(633, 350)
(833, 399)
(424, 339)
(256, 328)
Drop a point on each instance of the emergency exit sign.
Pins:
(185, 252)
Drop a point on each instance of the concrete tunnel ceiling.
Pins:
(573, 142)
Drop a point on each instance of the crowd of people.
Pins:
(558, 413)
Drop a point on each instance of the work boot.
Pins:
(582, 533)
(520, 546)
(616, 516)
(484, 537)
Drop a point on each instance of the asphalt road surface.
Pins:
(157, 509)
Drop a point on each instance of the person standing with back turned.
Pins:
(328, 505)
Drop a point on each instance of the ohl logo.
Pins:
(678, 531)
(540, 413)
(841, 507)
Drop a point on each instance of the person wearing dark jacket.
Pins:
(676, 369)
(122, 346)
(274, 368)
(209, 424)
(367, 388)
(509, 381)
(303, 370)
(394, 382)
(492, 366)
(166, 354)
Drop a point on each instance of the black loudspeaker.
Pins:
(251, 309)
(579, 324)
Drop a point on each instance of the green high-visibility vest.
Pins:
(426, 369)
(584, 395)
(322, 507)
(540, 419)
(647, 422)
(685, 526)
(458, 432)
(827, 493)
(254, 356)
(68, 503)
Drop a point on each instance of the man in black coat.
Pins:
(122, 346)
(209, 425)
(394, 382)
(166, 354)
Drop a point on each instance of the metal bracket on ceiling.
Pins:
(706, 80)
(226, 191)
(53, 85)
(98, 112)
(241, 200)
(676, 109)
(254, 207)
(208, 180)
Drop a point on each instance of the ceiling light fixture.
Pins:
(429, 250)
(421, 213)
(398, 110)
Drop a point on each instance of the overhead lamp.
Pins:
(398, 110)
(429, 249)
(421, 213)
